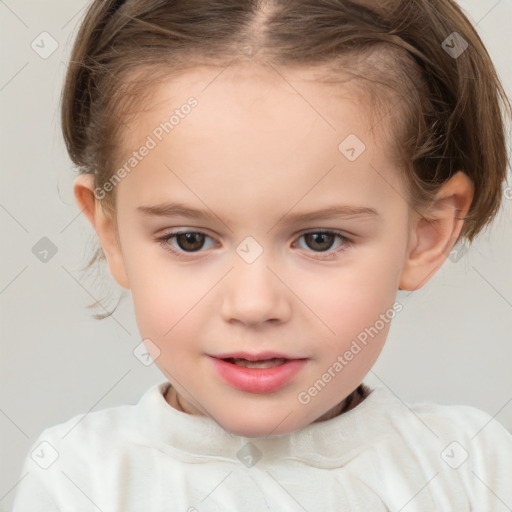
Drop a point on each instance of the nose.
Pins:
(253, 294)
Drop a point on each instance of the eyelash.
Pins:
(347, 243)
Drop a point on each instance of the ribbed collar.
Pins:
(326, 444)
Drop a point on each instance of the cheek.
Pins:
(355, 306)
(165, 298)
(355, 296)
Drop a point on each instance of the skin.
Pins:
(255, 151)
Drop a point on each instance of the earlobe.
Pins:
(433, 236)
(104, 226)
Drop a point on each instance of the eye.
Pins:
(322, 240)
(190, 242)
(187, 241)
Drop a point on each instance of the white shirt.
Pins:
(382, 455)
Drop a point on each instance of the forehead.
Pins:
(256, 130)
(258, 101)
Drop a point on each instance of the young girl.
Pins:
(264, 177)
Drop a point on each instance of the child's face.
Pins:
(257, 150)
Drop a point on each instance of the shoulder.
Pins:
(463, 421)
(85, 450)
(431, 456)
(80, 440)
(476, 436)
(459, 447)
(95, 435)
(469, 426)
(441, 420)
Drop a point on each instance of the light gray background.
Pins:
(451, 343)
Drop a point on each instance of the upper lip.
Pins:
(253, 357)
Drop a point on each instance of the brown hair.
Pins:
(448, 96)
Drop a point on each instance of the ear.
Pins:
(431, 239)
(104, 225)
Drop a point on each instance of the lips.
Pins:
(264, 372)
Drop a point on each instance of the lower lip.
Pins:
(258, 380)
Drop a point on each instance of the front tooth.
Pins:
(268, 363)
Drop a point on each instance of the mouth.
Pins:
(257, 373)
(259, 363)
(259, 360)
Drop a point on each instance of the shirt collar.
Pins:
(325, 444)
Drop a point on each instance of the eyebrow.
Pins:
(336, 211)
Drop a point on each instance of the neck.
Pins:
(352, 400)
